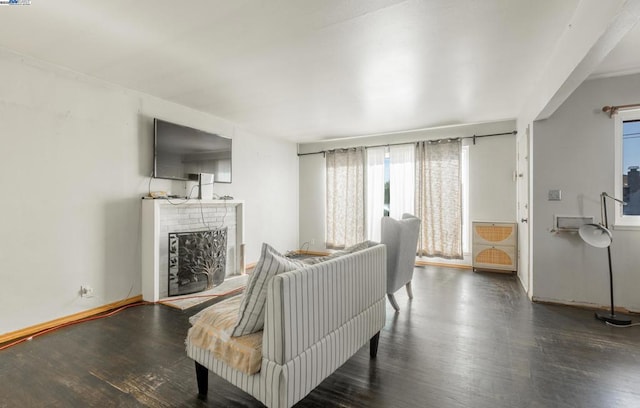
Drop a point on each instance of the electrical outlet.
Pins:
(86, 291)
(312, 242)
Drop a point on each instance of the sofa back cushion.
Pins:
(308, 305)
(252, 308)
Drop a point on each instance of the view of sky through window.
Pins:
(631, 147)
(631, 167)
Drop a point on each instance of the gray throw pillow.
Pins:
(252, 307)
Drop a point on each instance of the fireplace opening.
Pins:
(197, 260)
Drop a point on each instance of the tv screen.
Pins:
(181, 153)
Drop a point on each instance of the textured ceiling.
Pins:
(305, 70)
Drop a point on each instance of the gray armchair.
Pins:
(401, 239)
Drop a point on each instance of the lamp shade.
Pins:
(595, 235)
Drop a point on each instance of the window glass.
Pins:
(631, 167)
(627, 165)
(466, 230)
(379, 178)
(387, 182)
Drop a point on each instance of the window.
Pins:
(439, 198)
(627, 160)
(466, 227)
(401, 180)
(390, 186)
(345, 219)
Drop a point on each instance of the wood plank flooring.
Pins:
(466, 340)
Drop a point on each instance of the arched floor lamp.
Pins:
(599, 236)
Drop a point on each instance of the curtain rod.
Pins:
(474, 137)
(612, 110)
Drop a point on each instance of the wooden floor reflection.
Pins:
(466, 340)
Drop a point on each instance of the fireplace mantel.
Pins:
(160, 216)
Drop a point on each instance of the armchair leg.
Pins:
(202, 376)
(373, 345)
(393, 302)
(409, 291)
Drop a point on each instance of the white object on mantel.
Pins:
(151, 216)
(205, 185)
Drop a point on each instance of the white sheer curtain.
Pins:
(345, 197)
(439, 198)
(401, 180)
(375, 192)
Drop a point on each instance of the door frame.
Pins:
(523, 207)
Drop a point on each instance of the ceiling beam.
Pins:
(595, 29)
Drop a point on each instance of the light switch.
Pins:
(555, 195)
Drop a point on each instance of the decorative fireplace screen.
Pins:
(197, 260)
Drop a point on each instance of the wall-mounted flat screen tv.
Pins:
(181, 153)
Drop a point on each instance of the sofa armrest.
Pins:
(308, 304)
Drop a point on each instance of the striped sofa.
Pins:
(317, 317)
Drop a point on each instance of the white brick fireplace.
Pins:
(160, 217)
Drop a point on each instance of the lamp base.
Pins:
(613, 319)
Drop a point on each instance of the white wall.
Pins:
(573, 151)
(75, 159)
(312, 201)
(491, 164)
(594, 30)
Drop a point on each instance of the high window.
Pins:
(627, 158)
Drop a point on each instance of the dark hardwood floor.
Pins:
(466, 340)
